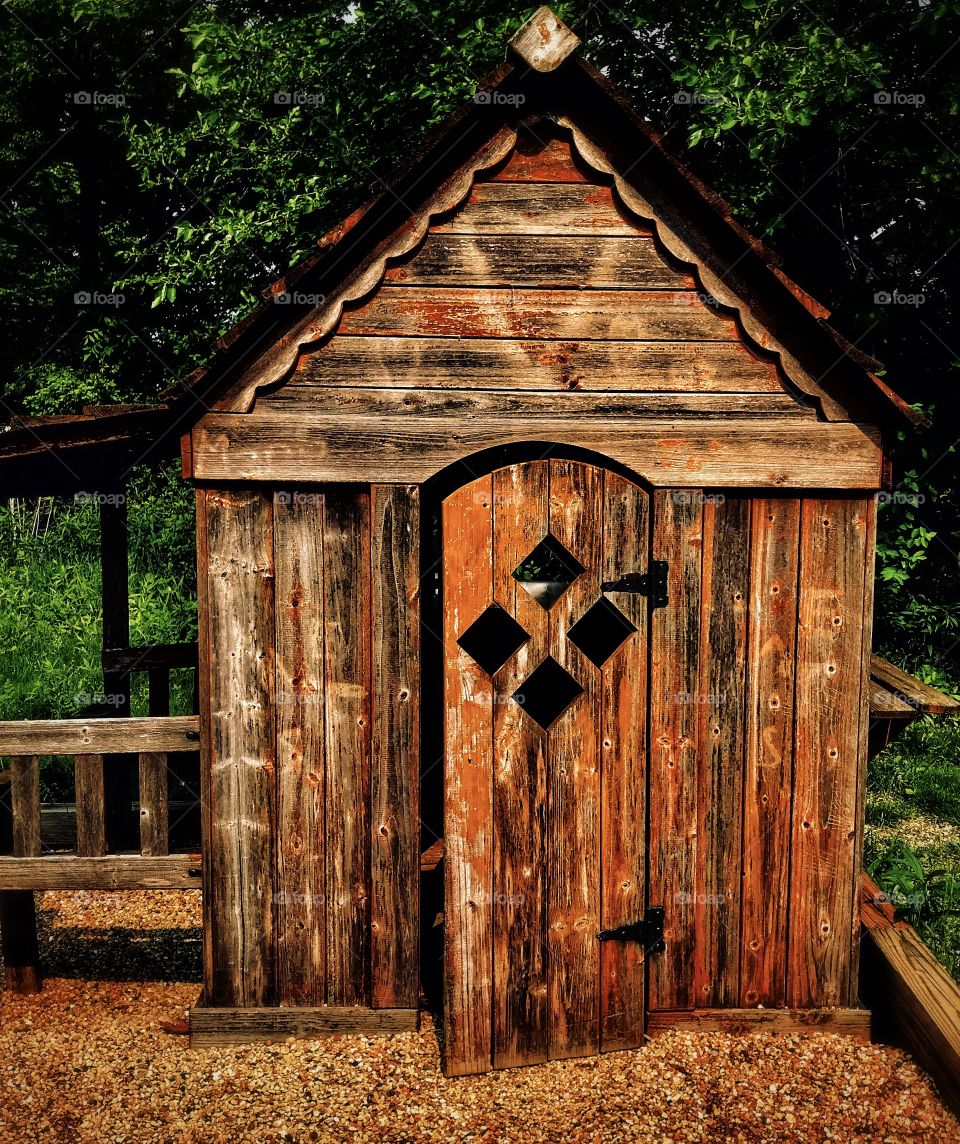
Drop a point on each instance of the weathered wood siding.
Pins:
(758, 673)
(309, 622)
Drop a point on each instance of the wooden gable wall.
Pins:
(539, 309)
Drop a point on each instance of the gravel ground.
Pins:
(88, 1061)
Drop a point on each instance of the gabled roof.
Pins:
(544, 78)
(694, 224)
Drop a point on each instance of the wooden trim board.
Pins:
(210, 1026)
(848, 1022)
(113, 872)
(99, 736)
(777, 452)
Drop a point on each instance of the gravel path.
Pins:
(87, 1061)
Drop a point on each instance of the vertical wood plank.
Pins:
(91, 806)
(863, 749)
(25, 804)
(347, 659)
(202, 678)
(395, 779)
(18, 915)
(674, 675)
(768, 764)
(240, 603)
(833, 540)
(573, 828)
(468, 785)
(520, 521)
(154, 804)
(115, 603)
(623, 753)
(719, 705)
(298, 535)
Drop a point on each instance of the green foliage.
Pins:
(925, 891)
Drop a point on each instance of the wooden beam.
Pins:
(127, 659)
(19, 942)
(847, 1022)
(778, 452)
(910, 692)
(98, 736)
(917, 1002)
(114, 872)
(210, 1026)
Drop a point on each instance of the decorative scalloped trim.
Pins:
(755, 330)
(275, 365)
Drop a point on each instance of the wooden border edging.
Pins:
(847, 1022)
(211, 1026)
(916, 1002)
(99, 736)
(113, 872)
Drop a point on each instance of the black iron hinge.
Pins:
(652, 583)
(648, 931)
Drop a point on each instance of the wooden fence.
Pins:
(96, 745)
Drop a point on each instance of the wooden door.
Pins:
(545, 700)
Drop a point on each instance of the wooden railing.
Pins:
(94, 744)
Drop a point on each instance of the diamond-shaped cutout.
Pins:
(548, 571)
(600, 631)
(492, 638)
(547, 692)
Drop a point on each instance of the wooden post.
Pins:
(114, 593)
(21, 837)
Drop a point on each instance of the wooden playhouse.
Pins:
(535, 537)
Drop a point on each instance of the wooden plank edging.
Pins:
(215, 1026)
(917, 1003)
(847, 1022)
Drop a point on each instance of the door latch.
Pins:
(648, 931)
(652, 583)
